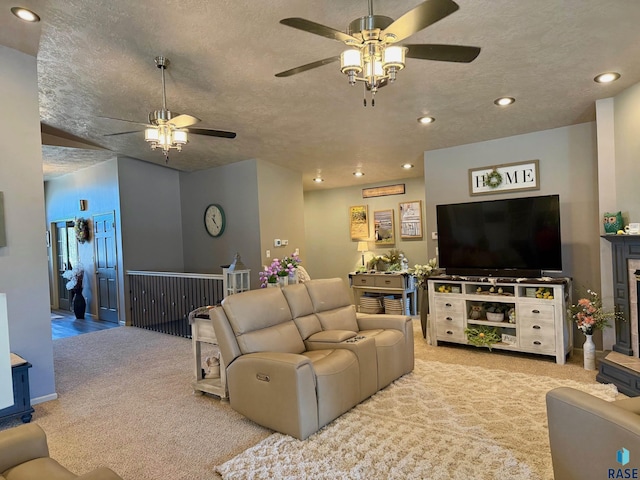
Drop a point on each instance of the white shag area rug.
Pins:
(442, 421)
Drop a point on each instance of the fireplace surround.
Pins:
(622, 366)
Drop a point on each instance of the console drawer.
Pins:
(450, 332)
(363, 280)
(389, 281)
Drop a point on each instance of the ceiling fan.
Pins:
(167, 130)
(373, 57)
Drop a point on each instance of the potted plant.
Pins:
(495, 310)
(482, 336)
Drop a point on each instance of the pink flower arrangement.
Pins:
(589, 315)
(279, 268)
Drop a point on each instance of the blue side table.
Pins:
(21, 398)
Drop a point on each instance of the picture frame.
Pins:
(358, 222)
(384, 233)
(411, 220)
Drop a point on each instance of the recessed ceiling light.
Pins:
(426, 120)
(318, 179)
(358, 174)
(407, 166)
(504, 101)
(25, 14)
(607, 77)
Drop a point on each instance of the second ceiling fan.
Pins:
(373, 57)
(167, 130)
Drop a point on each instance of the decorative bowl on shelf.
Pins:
(495, 317)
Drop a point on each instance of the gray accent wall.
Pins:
(235, 188)
(23, 261)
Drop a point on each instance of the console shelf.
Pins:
(535, 312)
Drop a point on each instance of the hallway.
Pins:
(64, 324)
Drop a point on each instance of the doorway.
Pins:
(104, 233)
(66, 250)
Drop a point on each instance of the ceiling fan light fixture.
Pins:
(607, 77)
(504, 101)
(25, 14)
(393, 57)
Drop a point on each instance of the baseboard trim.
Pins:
(46, 398)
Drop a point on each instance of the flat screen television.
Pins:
(517, 237)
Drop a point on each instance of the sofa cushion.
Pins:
(343, 318)
(261, 321)
(283, 338)
(328, 293)
(308, 325)
(298, 299)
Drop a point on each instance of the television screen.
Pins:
(515, 237)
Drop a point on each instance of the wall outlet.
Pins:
(277, 242)
(268, 254)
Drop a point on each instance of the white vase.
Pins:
(283, 281)
(589, 349)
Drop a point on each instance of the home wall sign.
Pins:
(505, 177)
(383, 191)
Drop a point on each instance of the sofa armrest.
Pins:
(276, 390)
(102, 473)
(575, 417)
(331, 336)
(22, 444)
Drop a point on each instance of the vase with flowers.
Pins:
(75, 278)
(421, 273)
(589, 317)
(280, 272)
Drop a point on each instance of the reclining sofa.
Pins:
(299, 356)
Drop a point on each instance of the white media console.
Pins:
(538, 325)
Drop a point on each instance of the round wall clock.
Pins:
(214, 220)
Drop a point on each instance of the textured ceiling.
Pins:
(96, 59)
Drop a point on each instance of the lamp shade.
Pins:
(351, 61)
(363, 247)
(394, 57)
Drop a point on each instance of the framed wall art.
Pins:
(411, 219)
(384, 232)
(358, 222)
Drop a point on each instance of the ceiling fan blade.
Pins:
(443, 53)
(123, 120)
(425, 14)
(318, 29)
(308, 66)
(211, 133)
(183, 120)
(121, 133)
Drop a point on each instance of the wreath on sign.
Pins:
(81, 229)
(494, 179)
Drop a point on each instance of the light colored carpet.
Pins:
(125, 401)
(442, 421)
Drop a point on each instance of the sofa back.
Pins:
(329, 299)
(261, 321)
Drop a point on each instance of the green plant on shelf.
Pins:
(482, 336)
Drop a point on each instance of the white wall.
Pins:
(330, 250)
(23, 262)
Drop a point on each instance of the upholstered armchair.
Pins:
(586, 433)
(24, 455)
